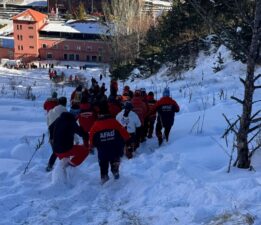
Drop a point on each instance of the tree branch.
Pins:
(254, 128)
(237, 99)
(231, 126)
(255, 115)
(257, 77)
(253, 151)
(256, 120)
(257, 87)
(251, 139)
(242, 81)
(256, 101)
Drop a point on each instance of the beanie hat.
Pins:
(54, 94)
(62, 101)
(150, 93)
(128, 105)
(166, 92)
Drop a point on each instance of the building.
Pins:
(156, 7)
(34, 37)
(80, 41)
(26, 27)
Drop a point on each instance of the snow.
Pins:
(42, 3)
(184, 182)
(77, 27)
(8, 28)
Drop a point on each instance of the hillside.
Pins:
(184, 182)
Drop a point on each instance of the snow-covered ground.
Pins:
(184, 182)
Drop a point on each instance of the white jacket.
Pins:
(130, 123)
(54, 113)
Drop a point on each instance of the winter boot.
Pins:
(49, 168)
(128, 153)
(115, 170)
(116, 175)
(104, 179)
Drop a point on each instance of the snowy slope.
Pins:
(183, 182)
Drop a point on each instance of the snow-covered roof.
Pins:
(7, 38)
(159, 3)
(8, 29)
(28, 2)
(77, 27)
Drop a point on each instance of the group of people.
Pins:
(114, 124)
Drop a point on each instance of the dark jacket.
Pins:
(109, 137)
(63, 133)
(166, 108)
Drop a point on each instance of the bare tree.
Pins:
(249, 122)
(130, 25)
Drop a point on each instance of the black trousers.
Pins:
(149, 126)
(104, 166)
(159, 127)
(52, 158)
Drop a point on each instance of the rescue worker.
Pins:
(109, 137)
(166, 108)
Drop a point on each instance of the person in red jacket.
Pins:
(151, 116)
(140, 107)
(109, 137)
(50, 103)
(166, 108)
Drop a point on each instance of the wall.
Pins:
(28, 32)
(58, 48)
(7, 53)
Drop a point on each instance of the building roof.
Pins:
(30, 15)
(88, 27)
(159, 3)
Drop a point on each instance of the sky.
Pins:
(183, 182)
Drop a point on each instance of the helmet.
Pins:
(150, 93)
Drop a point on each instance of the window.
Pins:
(44, 45)
(65, 57)
(94, 58)
(31, 36)
(22, 48)
(17, 26)
(18, 47)
(49, 55)
(77, 57)
(30, 28)
(55, 46)
(89, 48)
(99, 58)
(71, 56)
(78, 48)
(20, 27)
(100, 49)
(66, 47)
(18, 37)
(21, 37)
(31, 47)
(87, 58)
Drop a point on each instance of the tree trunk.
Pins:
(242, 136)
